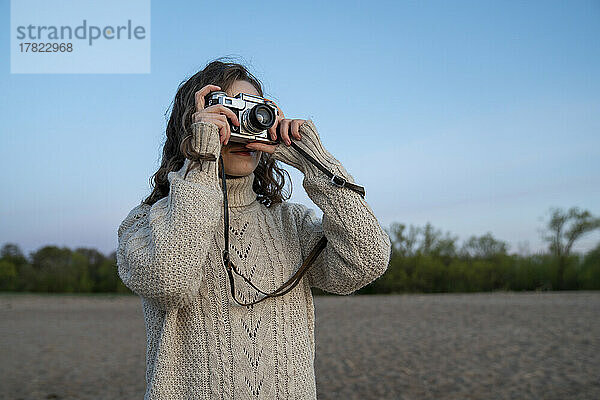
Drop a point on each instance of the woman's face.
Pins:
(238, 163)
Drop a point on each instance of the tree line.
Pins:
(423, 260)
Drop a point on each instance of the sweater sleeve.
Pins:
(358, 249)
(162, 248)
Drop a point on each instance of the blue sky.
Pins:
(475, 116)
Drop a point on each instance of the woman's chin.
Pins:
(239, 172)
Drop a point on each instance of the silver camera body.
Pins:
(256, 115)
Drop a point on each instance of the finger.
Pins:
(221, 121)
(267, 148)
(198, 116)
(283, 131)
(295, 125)
(222, 130)
(225, 127)
(273, 130)
(228, 129)
(201, 94)
(280, 113)
(220, 124)
(214, 117)
(221, 109)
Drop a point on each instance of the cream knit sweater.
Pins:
(200, 343)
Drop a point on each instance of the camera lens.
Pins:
(261, 117)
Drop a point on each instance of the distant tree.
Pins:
(435, 243)
(485, 247)
(423, 241)
(562, 230)
(590, 270)
(403, 243)
(11, 252)
(51, 265)
(79, 269)
(50, 256)
(13, 264)
(8, 275)
(95, 262)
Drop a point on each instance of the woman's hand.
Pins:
(286, 127)
(217, 113)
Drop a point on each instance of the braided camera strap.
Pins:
(295, 279)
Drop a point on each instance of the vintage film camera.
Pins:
(255, 114)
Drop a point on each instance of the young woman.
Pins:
(200, 342)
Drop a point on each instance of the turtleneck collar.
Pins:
(239, 190)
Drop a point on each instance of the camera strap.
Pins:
(294, 279)
(335, 179)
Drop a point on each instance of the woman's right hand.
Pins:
(217, 113)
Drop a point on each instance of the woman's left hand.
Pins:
(286, 127)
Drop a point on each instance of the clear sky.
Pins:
(476, 116)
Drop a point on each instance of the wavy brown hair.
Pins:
(269, 179)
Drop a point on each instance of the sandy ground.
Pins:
(442, 346)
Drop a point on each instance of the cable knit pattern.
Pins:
(201, 344)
